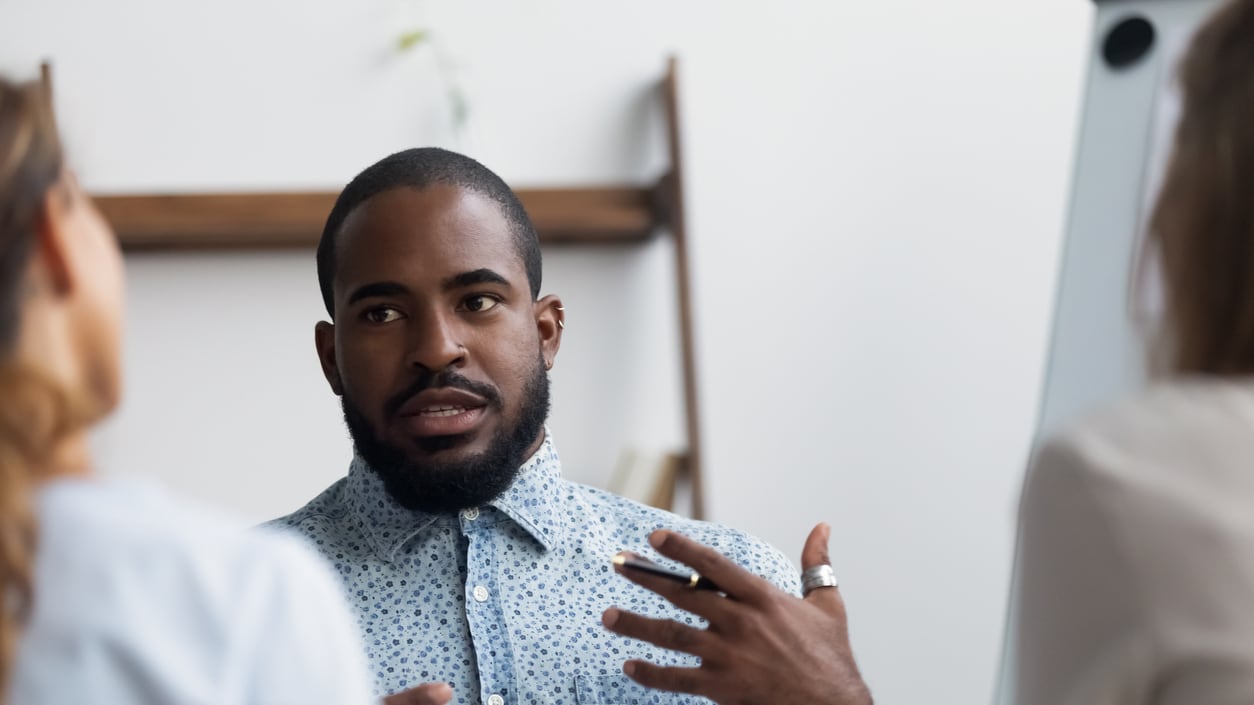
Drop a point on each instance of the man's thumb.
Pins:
(815, 550)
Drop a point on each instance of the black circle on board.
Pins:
(1129, 41)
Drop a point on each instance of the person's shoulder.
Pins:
(139, 549)
(748, 551)
(1168, 421)
(328, 508)
(132, 572)
(1183, 443)
(129, 516)
(145, 523)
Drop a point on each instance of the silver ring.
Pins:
(819, 576)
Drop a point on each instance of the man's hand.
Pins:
(762, 646)
(425, 694)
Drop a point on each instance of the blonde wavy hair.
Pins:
(34, 413)
(1203, 223)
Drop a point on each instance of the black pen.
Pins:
(692, 581)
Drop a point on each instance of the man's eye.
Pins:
(383, 314)
(480, 303)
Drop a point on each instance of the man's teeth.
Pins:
(443, 410)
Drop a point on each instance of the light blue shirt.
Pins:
(145, 598)
(504, 601)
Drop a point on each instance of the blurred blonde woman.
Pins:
(115, 593)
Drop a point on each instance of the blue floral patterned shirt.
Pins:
(504, 601)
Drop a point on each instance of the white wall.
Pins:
(876, 197)
(910, 162)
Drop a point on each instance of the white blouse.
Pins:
(1136, 580)
(144, 598)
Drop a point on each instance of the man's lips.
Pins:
(442, 412)
(434, 402)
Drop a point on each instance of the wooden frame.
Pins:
(295, 219)
(622, 214)
(672, 190)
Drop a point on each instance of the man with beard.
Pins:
(470, 561)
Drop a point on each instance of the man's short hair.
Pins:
(419, 168)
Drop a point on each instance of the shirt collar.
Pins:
(531, 502)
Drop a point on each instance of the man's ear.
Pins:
(550, 322)
(324, 341)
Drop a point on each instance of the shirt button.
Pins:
(472, 514)
(495, 699)
(481, 595)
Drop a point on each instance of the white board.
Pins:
(1096, 351)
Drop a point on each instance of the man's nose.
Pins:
(434, 345)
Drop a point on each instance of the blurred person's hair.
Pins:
(33, 411)
(1203, 223)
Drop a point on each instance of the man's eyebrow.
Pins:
(376, 290)
(474, 277)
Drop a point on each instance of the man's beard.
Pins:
(446, 487)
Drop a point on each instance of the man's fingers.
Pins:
(425, 694)
(666, 633)
(815, 550)
(737, 582)
(672, 678)
(703, 603)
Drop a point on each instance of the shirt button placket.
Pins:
(483, 613)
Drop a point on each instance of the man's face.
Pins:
(438, 350)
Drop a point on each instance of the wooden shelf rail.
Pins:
(295, 219)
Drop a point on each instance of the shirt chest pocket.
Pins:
(621, 690)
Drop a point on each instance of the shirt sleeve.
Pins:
(307, 650)
(1079, 632)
